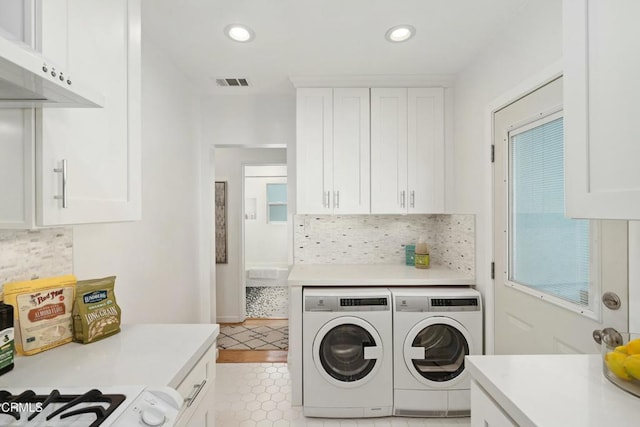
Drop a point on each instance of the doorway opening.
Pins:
(265, 241)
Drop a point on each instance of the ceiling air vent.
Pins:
(232, 82)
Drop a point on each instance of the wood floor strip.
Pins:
(252, 356)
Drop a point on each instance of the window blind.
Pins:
(547, 251)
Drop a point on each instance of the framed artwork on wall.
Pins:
(221, 222)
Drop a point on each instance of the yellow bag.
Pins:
(42, 312)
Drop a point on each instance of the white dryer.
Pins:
(434, 329)
(347, 364)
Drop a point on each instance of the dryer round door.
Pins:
(347, 351)
(434, 351)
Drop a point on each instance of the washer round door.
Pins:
(434, 351)
(347, 351)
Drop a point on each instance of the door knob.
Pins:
(609, 336)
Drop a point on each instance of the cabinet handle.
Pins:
(196, 391)
(327, 199)
(337, 199)
(402, 199)
(63, 171)
(412, 200)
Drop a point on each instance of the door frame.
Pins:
(551, 72)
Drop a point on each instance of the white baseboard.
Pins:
(229, 319)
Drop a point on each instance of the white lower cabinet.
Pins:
(197, 390)
(485, 412)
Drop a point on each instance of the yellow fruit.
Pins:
(622, 349)
(633, 347)
(615, 362)
(632, 366)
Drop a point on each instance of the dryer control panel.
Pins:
(433, 304)
(454, 304)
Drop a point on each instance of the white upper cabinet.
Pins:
(314, 145)
(407, 150)
(351, 186)
(426, 151)
(98, 148)
(601, 87)
(389, 150)
(332, 150)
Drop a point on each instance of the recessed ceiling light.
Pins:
(400, 33)
(239, 33)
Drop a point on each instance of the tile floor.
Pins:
(259, 395)
(255, 335)
(267, 302)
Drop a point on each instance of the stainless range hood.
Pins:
(28, 80)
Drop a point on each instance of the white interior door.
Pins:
(550, 271)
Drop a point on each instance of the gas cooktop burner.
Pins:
(30, 405)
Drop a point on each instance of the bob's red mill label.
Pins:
(42, 312)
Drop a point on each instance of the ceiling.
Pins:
(320, 38)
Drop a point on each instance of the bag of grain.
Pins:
(42, 312)
(96, 314)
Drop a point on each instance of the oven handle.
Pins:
(194, 394)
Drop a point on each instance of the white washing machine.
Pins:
(434, 329)
(347, 358)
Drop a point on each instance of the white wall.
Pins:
(528, 44)
(250, 120)
(228, 167)
(265, 242)
(157, 260)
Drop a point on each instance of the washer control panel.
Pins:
(339, 303)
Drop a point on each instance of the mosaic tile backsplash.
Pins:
(28, 255)
(380, 239)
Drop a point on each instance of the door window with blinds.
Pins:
(549, 254)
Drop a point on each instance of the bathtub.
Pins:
(266, 276)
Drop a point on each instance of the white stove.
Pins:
(121, 406)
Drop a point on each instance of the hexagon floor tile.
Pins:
(259, 395)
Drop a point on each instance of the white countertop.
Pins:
(145, 354)
(555, 390)
(375, 275)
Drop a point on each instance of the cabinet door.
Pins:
(198, 391)
(485, 412)
(100, 40)
(388, 150)
(314, 140)
(16, 168)
(351, 187)
(601, 69)
(426, 151)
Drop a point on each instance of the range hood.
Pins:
(28, 80)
